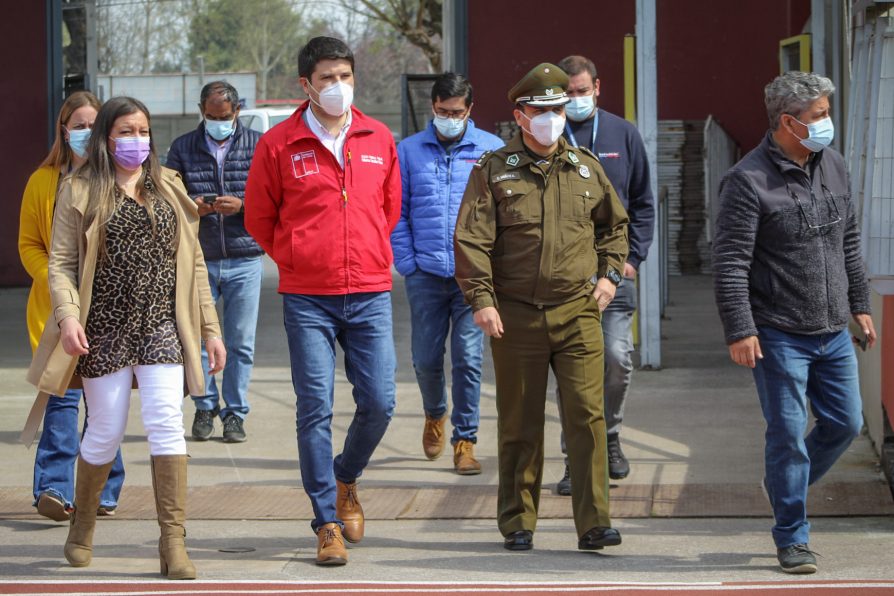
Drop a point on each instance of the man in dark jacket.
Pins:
(622, 154)
(788, 274)
(214, 160)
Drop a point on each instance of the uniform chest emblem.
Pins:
(584, 171)
(304, 164)
(573, 157)
(512, 160)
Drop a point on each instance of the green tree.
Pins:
(258, 36)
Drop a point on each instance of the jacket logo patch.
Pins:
(506, 176)
(612, 155)
(304, 164)
(372, 159)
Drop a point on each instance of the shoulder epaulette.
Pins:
(483, 159)
(586, 151)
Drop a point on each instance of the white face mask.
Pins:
(335, 99)
(546, 128)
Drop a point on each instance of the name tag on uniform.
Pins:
(505, 176)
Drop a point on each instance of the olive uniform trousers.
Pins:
(568, 338)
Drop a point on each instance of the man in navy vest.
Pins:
(214, 160)
(620, 150)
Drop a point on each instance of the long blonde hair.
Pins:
(99, 171)
(59, 156)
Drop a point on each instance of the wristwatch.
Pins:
(613, 276)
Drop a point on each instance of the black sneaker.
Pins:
(203, 424)
(563, 486)
(618, 467)
(232, 429)
(796, 558)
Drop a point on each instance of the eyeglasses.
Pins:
(833, 215)
(455, 114)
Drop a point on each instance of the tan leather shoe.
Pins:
(433, 436)
(330, 546)
(464, 462)
(349, 511)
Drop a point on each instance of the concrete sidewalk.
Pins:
(691, 507)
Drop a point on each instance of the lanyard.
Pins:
(574, 142)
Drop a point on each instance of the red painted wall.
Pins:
(713, 57)
(23, 120)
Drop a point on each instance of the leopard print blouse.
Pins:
(131, 319)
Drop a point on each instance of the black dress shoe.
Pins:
(521, 540)
(597, 537)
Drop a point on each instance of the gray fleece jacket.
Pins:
(787, 245)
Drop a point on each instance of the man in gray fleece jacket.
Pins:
(788, 274)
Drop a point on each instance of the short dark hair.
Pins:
(222, 88)
(451, 84)
(575, 65)
(322, 48)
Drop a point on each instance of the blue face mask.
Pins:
(450, 128)
(77, 140)
(220, 130)
(819, 134)
(580, 107)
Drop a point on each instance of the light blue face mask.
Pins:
(77, 140)
(819, 134)
(579, 107)
(450, 128)
(220, 130)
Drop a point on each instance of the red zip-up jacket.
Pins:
(327, 228)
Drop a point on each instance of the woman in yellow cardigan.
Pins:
(54, 462)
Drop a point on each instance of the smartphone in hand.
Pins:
(208, 199)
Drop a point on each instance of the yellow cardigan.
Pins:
(35, 224)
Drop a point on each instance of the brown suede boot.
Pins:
(330, 546)
(349, 511)
(88, 487)
(464, 462)
(433, 436)
(169, 484)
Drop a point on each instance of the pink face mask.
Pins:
(131, 152)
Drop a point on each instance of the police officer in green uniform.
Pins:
(540, 242)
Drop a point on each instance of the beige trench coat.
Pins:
(73, 256)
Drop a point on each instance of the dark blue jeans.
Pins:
(797, 371)
(57, 450)
(361, 324)
(436, 303)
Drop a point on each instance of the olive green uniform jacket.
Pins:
(536, 241)
(73, 259)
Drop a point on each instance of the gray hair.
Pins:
(793, 92)
(226, 91)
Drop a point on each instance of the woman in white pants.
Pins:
(131, 304)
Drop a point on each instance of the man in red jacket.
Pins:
(323, 195)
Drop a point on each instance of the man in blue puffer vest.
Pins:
(435, 165)
(214, 160)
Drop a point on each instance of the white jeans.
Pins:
(161, 406)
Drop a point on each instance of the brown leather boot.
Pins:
(169, 485)
(464, 462)
(330, 546)
(88, 487)
(433, 436)
(349, 511)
